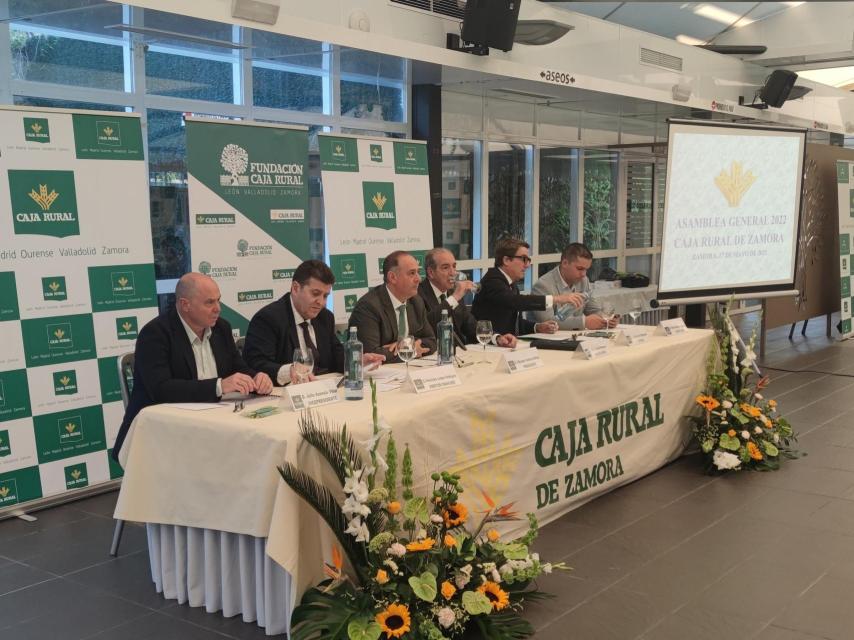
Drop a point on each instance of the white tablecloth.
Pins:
(518, 437)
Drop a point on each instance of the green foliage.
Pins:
(406, 474)
(505, 625)
(475, 603)
(390, 482)
(324, 616)
(730, 443)
(363, 629)
(555, 213)
(599, 205)
(317, 431)
(424, 586)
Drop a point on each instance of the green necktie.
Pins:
(443, 298)
(401, 321)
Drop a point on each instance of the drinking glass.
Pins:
(303, 363)
(636, 308)
(483, 331)
(607, 313)
(406, 350)
(462, 277)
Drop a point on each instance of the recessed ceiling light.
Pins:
(689, 40)
(723, 16)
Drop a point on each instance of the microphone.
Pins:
(458, 342)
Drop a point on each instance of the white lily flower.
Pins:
(352, 506)
(364, 533)
(547, 567)
(757, 429)
(436, 519)
(725, 460)
(745, 434)
(726, 404)
(496, 577)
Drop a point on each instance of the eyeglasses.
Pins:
(524, 259)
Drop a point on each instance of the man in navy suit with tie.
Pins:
(298, 320)
(500, 302)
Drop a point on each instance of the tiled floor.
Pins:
(676, 555)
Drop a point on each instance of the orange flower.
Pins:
(754, 451)
(708, 402)
(450, 541)
(749, 409)
(448, 590)
(424, 545)
(731, 433)
(497, 596)
(772, 404)
(381, 577)
(393, 507)
(394, 620)
(334, 570)
(493, 535)
(766, 421)
(488, 499)
(455, 514)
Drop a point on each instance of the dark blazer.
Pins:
(376, 322)
(165, 369)
(465, 324)
(273, 336)
(500, 302)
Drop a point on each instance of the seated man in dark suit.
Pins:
(188, 355)
(500, 302)
(393, 310)
(298, 320)
(440, 292)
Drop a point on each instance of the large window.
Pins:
(373, 86)
(460, 168)
(510, 191)
(601, 171)
(558, 198)
(289, 73)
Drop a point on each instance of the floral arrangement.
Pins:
(739, 428)
(422, 567)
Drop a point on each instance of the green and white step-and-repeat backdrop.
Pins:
(376, 199)
(845, 189)
(248, 189)
(76, 285)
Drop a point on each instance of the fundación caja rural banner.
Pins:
(376, 199)
(248, 189)
(76, 284)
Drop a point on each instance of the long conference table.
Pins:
(227, 533)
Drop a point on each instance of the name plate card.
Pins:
(311, 394)
(673, 327)
(521, 360)
(426, 379)
(635, 335)
(593, 348)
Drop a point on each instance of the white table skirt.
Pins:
(220, 571)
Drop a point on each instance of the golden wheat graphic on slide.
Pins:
(735, 183)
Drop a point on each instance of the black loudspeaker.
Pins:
(491, 23)
(777, 87)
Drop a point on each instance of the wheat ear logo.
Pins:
(339, 149)
(108, 130)
(348, 267)
(126, 326)
(735, 184)
(54, 286)
(123, 281)
(59, 333)
(76, 474)
(43, 198)
(4, 491)
(70, 427)
(379, 200)
(36, 127)
(65, 380)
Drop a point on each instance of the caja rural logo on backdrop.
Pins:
(44, 203)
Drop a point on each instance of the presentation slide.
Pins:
(731, 211)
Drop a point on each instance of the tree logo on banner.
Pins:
(205, 267)
(235, 160)
(44, 203)
(735, 184)
(379, 205)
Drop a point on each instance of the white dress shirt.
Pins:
(203, 355)
(451, 300)
(283, 375)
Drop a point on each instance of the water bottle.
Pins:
(566, 310)
(354, 383)
(445, 332)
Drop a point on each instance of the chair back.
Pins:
(125, 365)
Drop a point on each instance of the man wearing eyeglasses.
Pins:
(500, 302)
